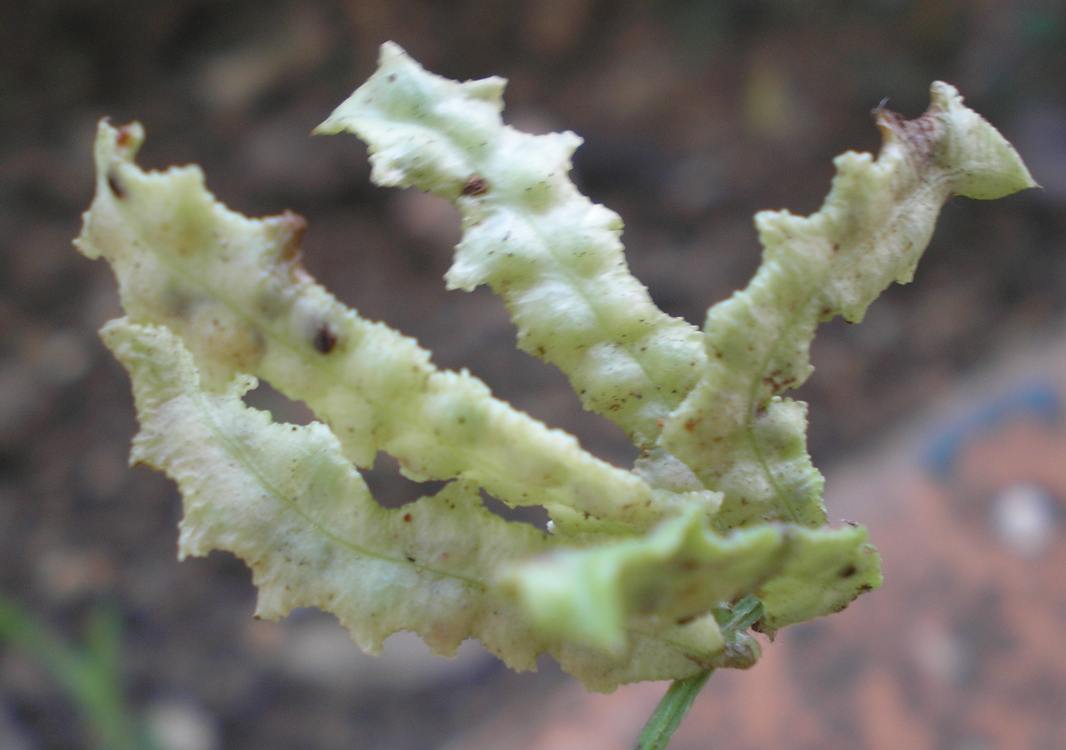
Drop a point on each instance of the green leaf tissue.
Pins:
(624, 584)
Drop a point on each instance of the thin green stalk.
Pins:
(670, 711)
(89, 675)
(667, 716)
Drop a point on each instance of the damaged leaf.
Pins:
(723, 507)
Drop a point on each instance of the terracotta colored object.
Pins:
(961, 648)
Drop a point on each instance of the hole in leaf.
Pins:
(390, 488)
(284, 409)
(535, 515)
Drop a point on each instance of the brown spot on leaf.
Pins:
(294, 226)
(325, 339)
(778, 381)
(407, 518)
(476, 185)
(847, 571)
(921, 135)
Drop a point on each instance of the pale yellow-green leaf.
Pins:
(553, 255)
(734, 430)
(823, 572)
(723, 502)
(235, 291)
(682, 570)
(286, 500)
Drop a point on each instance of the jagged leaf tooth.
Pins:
(283, 498)
(734, 430)
(552, 255)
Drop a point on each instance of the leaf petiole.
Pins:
(678, 699)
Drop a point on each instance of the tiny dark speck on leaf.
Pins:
(409, 558)
(325, 339)
(847, 571)
(407, 518)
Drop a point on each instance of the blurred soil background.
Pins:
(695, 115)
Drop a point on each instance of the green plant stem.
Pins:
(89, 675)
(667, 716)
(670, 711)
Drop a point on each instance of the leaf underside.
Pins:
(723, 503)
